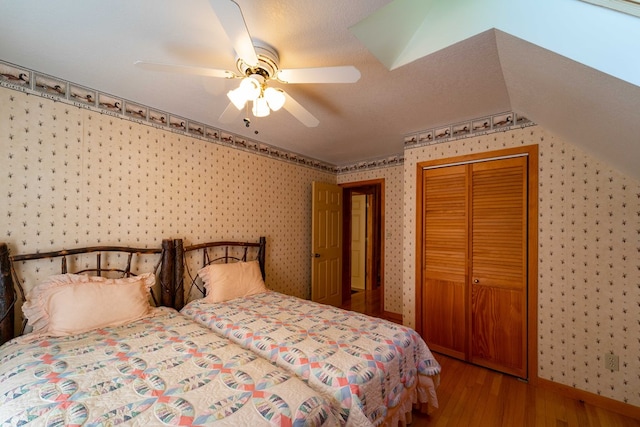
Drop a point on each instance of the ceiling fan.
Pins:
(258, 65)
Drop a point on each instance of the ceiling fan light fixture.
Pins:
(251, 87)
(260, 107)
(275, 98)
(237, 97)
(258, 63)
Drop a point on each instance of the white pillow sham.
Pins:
(67, 304)
(228, 281)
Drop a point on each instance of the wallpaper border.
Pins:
(500, 122)
(35, 83)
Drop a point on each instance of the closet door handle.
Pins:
(476, 281)
(316, 255)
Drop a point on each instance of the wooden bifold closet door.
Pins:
(474, 262)
(445, 243)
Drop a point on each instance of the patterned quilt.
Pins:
(366, 366)
(162, 370)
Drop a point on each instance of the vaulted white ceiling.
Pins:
(570, 66)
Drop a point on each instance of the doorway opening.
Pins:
(363, 246)
(361, 239)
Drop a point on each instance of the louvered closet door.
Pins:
(445, 258)
(498, 265)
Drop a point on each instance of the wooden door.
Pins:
(326, 244)
(498, 265)
(476, 258)
(370, 279)
(358, 241)
(445, 259)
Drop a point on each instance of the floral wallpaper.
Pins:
(392, 230)
(589, 260)
(76, 177)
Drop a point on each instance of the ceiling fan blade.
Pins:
(299, 112)
(184, 69)
(229, 114)
(341, 74)
(230, 16)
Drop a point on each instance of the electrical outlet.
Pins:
(611, 362)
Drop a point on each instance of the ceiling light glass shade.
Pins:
(275, 98)
(237, 97)
(260, 107)
(250, 88)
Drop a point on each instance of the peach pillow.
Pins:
(67, 304)
(228, 281)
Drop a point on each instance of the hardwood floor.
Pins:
(473, 396)
(366, 302)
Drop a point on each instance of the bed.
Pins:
(371, 370)
(154, 367)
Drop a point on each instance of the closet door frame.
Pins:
(531, 151)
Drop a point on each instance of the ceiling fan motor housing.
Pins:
(268, 62)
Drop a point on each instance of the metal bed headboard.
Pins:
(12, 289)
(212, 252)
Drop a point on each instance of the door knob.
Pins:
(316, 255)
(476, 281)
